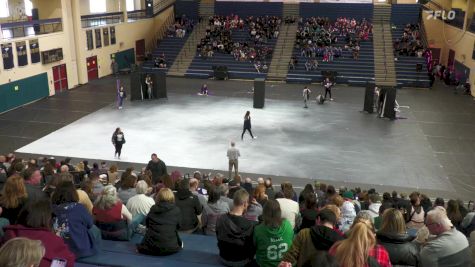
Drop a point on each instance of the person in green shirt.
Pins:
(273, 237)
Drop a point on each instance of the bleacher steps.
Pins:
(206, 8)
(188, 51)
(282, 53)
(384, 66)
(291, 10)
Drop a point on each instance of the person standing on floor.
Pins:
(121, 96)
(247, 125)
(327, 84)
(118, 140)
(233, 155)
(149, 83)
(306, 96)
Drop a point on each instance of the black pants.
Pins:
(244, 130)
(328, 91)
(118, 148)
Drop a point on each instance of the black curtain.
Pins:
(7, 55)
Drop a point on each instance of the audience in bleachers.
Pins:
(396, 230)
(409, 44)
(21, 252)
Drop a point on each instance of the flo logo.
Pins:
(440, 14)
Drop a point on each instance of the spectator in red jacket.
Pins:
(34, 222)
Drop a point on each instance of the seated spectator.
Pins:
(113, 175)
(194, 183)
(254, 210)
(235, 233)
(140, 203)
(454, 214)
(393, 236)
(162, 222)
(449, 247)
(73, 222)
(269, 188)
(309, 210)
(289, 207)
(212, 211)
(127, 188)
(111, 216)
(348, 212)
(34, 222)
(309, 241)
(97, 186)
(360, 248)
(260, 194)
(32, 179)
(223, 191)
(190, 207)
(13, 198)
(417, 214)
(19, 252)
(374, 205)
(273, 237)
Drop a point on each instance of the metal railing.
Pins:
(102, 19)
(137, 15)
(21, 29)
(160, 5)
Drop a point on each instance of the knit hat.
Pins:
(347, 194)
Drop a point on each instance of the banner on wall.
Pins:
(21, 53)
(34, 51)
(7, 55)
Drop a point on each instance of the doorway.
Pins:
(60, 78)
(92, 71)
(140, 50)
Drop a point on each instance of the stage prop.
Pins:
(220, 72)
(259, 92)
(389, 99)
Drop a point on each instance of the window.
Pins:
(97, 6)
(130, 5)
(4, 10)
(28, 7)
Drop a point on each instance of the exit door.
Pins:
(60, 78)
(92, 72)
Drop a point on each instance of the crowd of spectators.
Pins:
(317, 37)
(409, 44)
(254, 48)
(181, 26)
(254, 223)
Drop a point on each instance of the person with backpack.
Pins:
(118, 140)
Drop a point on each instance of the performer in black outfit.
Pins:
(327, 84)
(247, 125)
(118, 140)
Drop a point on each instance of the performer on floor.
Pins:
(247, 125)
(149, 83)
(327, 84)
(306, 96)
(204, 89)
(121, 96)
(118, 139)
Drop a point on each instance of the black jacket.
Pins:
(35, 193)
(162, 223)
(158, 169)
(323, 237)
(190, 208)
(235, 238)
(247, 123)
(400, 248)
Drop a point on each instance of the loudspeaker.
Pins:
(35, 16)
(160, 85)
(135, 86)
(389, 102)
(369, 98)
(259, 92)
(149, 8)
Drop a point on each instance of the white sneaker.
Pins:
(331, 99)
(255, 137)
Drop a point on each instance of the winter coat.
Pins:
(211, 213)
(400, 248)
(235, 238)
(190, 208)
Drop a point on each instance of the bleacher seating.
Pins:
(406, 65)
(202, 68)
(189, 8)
(350, 71)
(246, 9)
(171, 46)
(199, 250)
(333, 11)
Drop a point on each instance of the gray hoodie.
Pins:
(211, 212)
